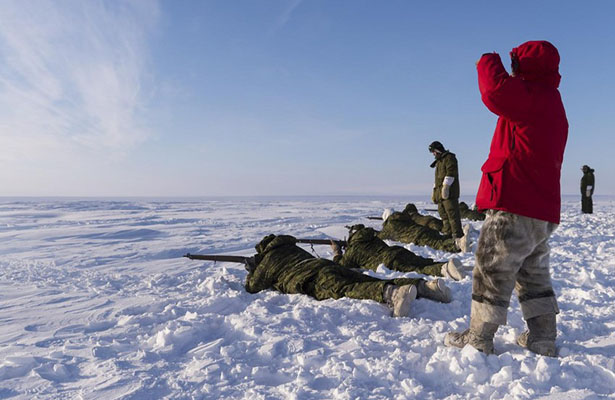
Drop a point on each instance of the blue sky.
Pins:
(278, 97)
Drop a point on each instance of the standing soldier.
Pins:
(446, 190)
(587, 190)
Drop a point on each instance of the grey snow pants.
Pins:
(512, 253)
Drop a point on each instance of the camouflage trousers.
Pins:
(334, 282)
(451, 217)
(433, 269)
(433, 239)
(400, 259)
(513, 253)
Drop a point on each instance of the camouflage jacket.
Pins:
(283, 266)
(446, 165)
(400, 227)
(366, 250)
(425, 220)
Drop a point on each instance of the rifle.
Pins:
(248, 261)
(378, 218)
(341, 243)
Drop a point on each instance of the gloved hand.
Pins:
(446, 186)
(588, 193)
(336, 249)
(250, 264)
(445, 191)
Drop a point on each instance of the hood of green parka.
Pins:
(399, 216)
(410, 208)
(270, 242)
(363, 235)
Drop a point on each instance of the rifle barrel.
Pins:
(321, 241)
(214, 257)
(378, 218)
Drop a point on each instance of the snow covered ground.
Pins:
(96, 302)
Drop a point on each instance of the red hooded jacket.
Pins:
(522, 173)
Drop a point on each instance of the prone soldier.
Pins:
(364, 249)
(470, 213)
(425, 220)
(281, 265)
(400, 227)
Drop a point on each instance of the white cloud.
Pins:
(286, 14)
(71, 76)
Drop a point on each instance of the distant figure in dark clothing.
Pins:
(587, 190)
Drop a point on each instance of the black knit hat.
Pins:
(436, 146)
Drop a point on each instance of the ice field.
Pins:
(97, 302)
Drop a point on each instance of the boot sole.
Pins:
(407, 294)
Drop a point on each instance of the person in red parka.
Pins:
(520, 188)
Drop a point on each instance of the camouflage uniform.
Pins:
(587, 190)
(446, 166)
(400, 227)
(425, 220)
(365, 250)
(513, 253)
(287, 268)
(468, 213)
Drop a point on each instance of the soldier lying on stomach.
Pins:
(283, 266)
(364, 249)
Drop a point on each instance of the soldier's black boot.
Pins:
(540, 336)
(480, 336)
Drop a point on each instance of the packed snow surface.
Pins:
(97, 302)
